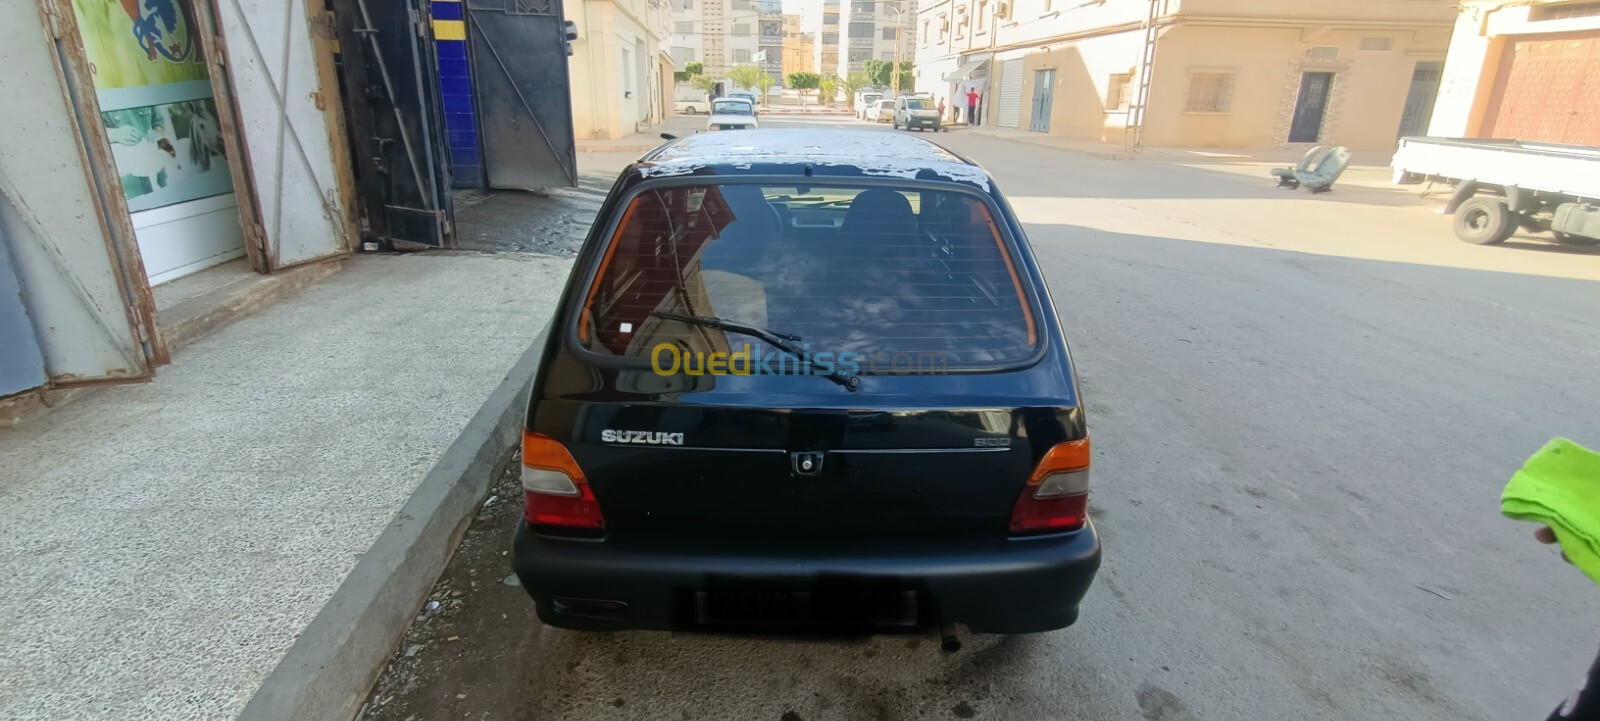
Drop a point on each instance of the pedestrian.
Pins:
(941, 109)
(1554, 488)
(972, 106)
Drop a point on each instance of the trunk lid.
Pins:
(687, 469)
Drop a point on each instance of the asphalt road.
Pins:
(1304, 409)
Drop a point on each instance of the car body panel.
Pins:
(721, 120)
(697, 476)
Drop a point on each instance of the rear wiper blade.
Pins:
(782, 341)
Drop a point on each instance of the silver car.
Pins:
(916, 112)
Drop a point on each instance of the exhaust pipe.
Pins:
(949, 642)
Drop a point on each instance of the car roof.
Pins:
(807, 151)
(733, 99)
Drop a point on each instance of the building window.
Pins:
(1567, 10)
(888, 33)
(887, 56)
(741, 56)
(1210, 93)
(1377, 44)
(743, 5)
(741, 30)
(858, 55)
(830, 39)
(682, 4)
(830, 19)
(1118, 91)
(682, 56)
(683, 28)
(983, 13)
(861, 30)
(865, 8)
(924, 34)
(1324, 52)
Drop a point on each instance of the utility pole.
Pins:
(894, 70)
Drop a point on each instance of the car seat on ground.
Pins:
(1328, 170)
(1285, 176)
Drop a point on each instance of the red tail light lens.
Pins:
(554, 491)
(1056, 497)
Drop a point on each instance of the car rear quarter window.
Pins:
(863, 270)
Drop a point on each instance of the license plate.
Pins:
(806, 608)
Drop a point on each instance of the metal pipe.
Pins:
(949, 642)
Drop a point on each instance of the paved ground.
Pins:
(1304, 409)
(165, 543)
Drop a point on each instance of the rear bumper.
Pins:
(1001, 586)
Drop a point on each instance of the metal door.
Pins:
(65, 220)
(1548, 89)
(1309, 109)
(394, 108)
(1419, 102)
(519, 70)
(1044, 83)
(273, 69)
(21, 361)
(1010, 110)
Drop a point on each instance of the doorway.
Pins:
(1044, 83)
(1419, 101)
(1310, 108)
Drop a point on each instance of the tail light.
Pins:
(1057, 495)
(554, 491)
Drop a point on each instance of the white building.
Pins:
(870, 30)
(719, 34)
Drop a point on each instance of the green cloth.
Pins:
(1560, 487)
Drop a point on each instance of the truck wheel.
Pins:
(1484, 221)
(1570, 239)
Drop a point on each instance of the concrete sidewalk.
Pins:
(167, 542)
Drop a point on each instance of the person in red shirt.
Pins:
(972, 106)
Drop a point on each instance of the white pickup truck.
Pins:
(1503, 185)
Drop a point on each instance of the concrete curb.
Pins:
(331, 667)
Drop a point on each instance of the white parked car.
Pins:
(692, 107)
(732, 114)
(864, 101)
(880, 112)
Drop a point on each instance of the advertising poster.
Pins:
(155, 100)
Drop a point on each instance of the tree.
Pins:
(804, 82)
(828, 87)
(765, 83)
(880, 73)
(688, 72)
(745, 76)
(852, 83)
(704, 83)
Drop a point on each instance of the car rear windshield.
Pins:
(731, 107)
(863, 270)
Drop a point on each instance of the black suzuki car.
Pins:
(806, 379)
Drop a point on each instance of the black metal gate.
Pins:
(519, 70)
(393, 114)
(1309, 109)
